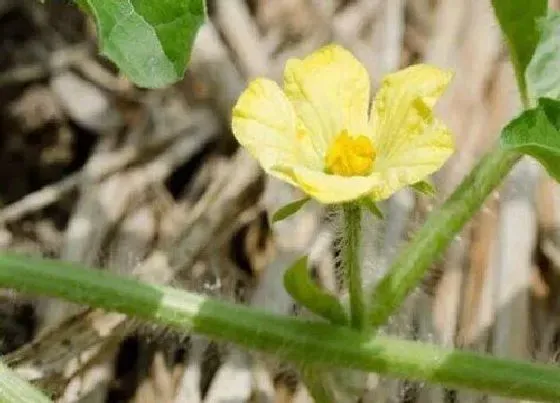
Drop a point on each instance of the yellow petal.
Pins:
(263, 121)
(328, 189)
(329, 90)
(423, 156)
(410, 142)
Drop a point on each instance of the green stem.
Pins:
(437, 232)
(13, 389)
(290, 338)
(351, 256)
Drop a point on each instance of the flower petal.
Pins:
(424, 155)
(328, 189)
(263, 121)
(330, 92)
(410, 142)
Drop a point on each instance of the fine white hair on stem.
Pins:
(371, 243)
(335, 220)
(372, 239)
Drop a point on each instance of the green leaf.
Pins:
(518, 20)
(372, 207)
(536, 132)
(425, 187)
(543, 72)
(149, 40)
(302, 288)
(289, 209)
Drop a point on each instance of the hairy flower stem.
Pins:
(351, 261)
(436, 234)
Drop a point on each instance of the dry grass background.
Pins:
(151, 184)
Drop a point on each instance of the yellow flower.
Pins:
(317, 133)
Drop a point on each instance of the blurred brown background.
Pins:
(151, 184)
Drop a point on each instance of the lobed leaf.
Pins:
(536, 132)
(149, 40)
(543, 72)
(518, 20)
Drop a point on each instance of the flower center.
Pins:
(349, 156)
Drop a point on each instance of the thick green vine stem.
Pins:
(13, 389)
(436, 233)
(305, 342)
(351, 263)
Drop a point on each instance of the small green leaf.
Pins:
(543, 72)
(302, 288)
(425, 187)
(372, 207)
(536, 132)
(289, 209)
(150, 41)
(518, 20)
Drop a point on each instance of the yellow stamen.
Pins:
(350, 156)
